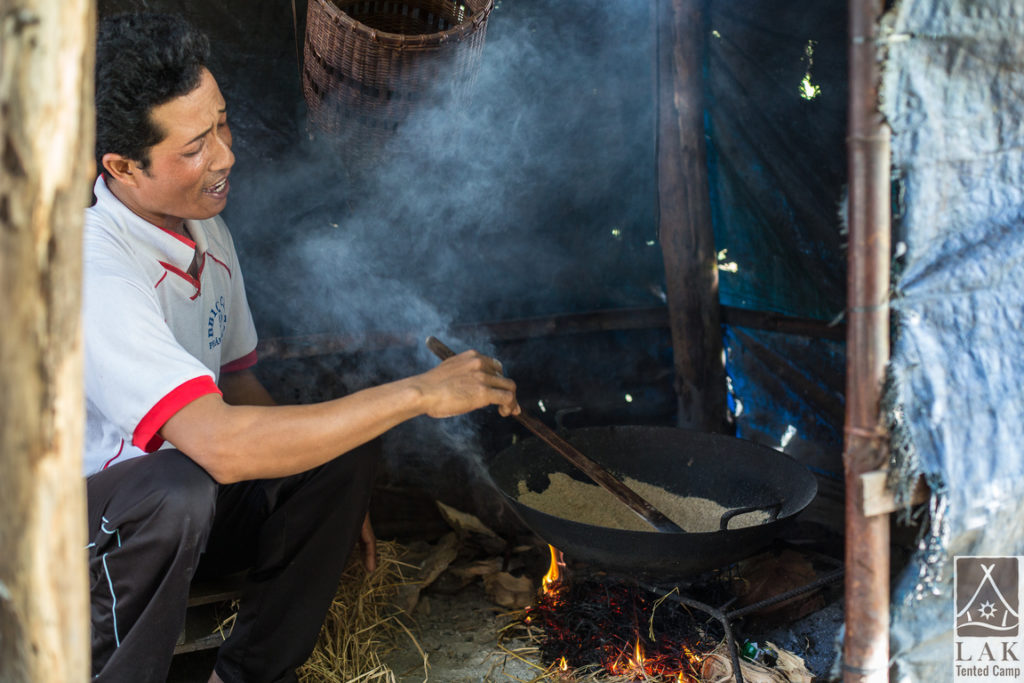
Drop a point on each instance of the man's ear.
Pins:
(120, 168)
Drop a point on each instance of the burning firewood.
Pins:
(612, 626)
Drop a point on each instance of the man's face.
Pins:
(187, 177)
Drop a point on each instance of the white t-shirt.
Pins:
(156, 339)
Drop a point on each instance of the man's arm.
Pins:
(242, 388)
(240, 442)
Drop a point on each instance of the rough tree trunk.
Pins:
(687, 240)
(46, 133)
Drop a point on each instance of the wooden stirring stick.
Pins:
(598, 474)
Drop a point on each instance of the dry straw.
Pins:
(362, 624)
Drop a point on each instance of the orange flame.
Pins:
(632, 662)
(553, 579)
(638, 661)
(635, 664)
(694, 657)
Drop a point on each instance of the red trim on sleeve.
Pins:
(146, 436)
(246, 361)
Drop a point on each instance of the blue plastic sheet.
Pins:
(776, 117)
(952, 78)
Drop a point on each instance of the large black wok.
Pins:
(737, 474)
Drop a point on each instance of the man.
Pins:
(191, 468)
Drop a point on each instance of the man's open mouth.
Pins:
(218, 189)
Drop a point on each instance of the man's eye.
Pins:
(193, 152)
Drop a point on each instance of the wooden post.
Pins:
(46, 137)
(687, 239)
(866, 644)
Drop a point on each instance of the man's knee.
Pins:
(165, 490)
(188, 491)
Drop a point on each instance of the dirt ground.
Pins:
(456, 641)
(462, 639)
(459, 634)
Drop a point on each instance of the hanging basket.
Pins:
(370, 63)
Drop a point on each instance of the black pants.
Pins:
(160, 520)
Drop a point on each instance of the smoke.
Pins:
(530, 194)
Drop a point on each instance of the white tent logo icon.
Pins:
(987, 597)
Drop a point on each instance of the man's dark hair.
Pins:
(142, 61)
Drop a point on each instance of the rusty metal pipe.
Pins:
(866, 644)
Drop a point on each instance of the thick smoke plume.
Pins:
(532, 194)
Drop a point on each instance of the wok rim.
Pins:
(791, 506)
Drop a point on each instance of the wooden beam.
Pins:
(46, 134)
(877, 499)
(684, 208)
(621, 319)
(785, 324)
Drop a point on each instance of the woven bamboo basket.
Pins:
(370, 63)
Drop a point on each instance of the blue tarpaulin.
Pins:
(953, 76)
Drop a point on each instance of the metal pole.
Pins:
(866, 645)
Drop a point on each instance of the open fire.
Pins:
(602, 624)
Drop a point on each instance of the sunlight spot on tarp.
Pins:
(716, 34)
(727, 266)
(732, 401)
(617, 233)
(629, 398)
(787, 437)
(543, 408)
(808, 90)
(650, 243)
